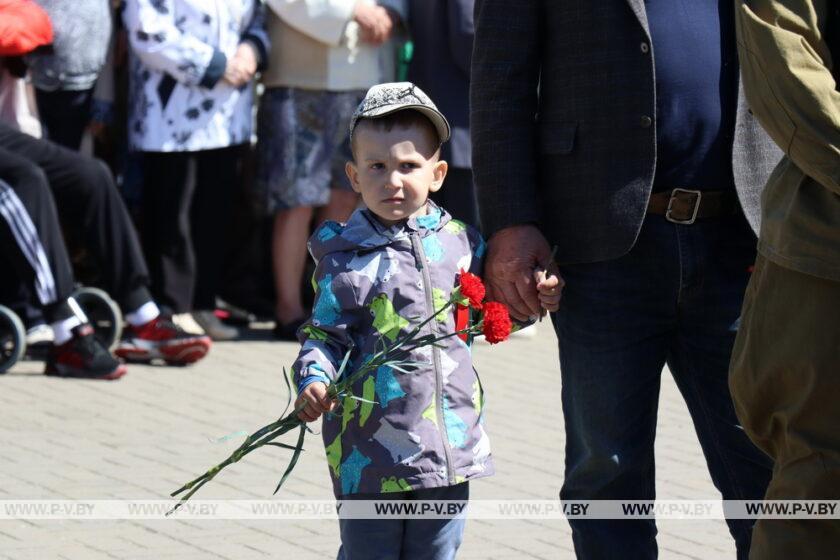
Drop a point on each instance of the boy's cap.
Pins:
(384, 99)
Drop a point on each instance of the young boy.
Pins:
(419, 434)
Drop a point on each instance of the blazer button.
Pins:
(644, 47)
(645, 121)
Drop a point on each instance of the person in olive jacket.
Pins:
(784, 373)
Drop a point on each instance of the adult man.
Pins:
(643, 184)
(784, 367)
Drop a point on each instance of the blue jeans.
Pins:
(404, 539)
(674, 299)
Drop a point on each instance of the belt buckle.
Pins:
(688, 222)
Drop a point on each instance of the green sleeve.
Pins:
(786, 67)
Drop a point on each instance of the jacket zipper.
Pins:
(427, 285)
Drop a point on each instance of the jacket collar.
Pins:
(638, 7)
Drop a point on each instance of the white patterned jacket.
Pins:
(179, 50)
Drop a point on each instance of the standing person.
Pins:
(784, 375)
(65, 78)
(423, 438)
(325, 54)
(442, 33)
(192, 63)
(648, 187)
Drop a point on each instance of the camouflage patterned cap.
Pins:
(384, 99)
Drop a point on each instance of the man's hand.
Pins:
(317, 401)
(242, 66)
(375, 23)
(513, 254)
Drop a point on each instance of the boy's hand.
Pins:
(549, 287)
(317, 401)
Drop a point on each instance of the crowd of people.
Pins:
(682, 158)
(166, 91)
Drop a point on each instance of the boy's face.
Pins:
(395, 170)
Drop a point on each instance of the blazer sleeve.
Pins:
(461, 33)
(786, 65)
(323, 20)
(503, 104)
(159, 44)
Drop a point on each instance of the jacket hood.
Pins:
(363, 231)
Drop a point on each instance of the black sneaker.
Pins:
(83, 357)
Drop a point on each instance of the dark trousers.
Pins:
(187, 207)
(31, 242)
(89, 206)
(674, 299)
(65, 115)
(786, 386)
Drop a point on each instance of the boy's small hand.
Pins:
(549, 286)
(317, 401)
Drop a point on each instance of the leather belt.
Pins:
(685, 206)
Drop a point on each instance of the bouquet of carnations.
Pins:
(490, 319)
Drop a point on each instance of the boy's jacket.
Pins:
(424, 429)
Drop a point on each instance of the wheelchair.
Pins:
(103, 313)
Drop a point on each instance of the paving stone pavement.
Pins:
(145, 435)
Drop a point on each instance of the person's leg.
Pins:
(716, 257)
(342, 198)
(338, 209)
(294, 157)
(613, 327)
(289, 254)
(371, 539)
(38, 252)
(65, 115)
(90, 207)
(218, 176)
(75, 351)
(786, 389)
(435, 539)
(168, 246)
(89, 200)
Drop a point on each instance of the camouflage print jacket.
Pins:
(423, 429)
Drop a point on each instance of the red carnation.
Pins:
(497, 323)
(473, 289)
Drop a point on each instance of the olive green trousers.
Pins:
(785, 382)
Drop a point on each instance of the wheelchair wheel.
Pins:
(103, 313)
(12, 339)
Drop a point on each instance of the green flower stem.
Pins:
(266, 434)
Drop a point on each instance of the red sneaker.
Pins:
(164, 340)
(83, 357)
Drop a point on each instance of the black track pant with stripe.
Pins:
(32, 246)
(90, 209)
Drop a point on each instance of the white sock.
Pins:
(62, 330)
(149, 311)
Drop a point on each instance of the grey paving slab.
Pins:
(141, 437)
